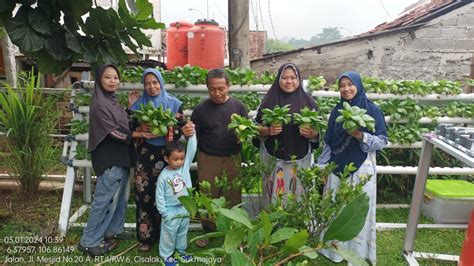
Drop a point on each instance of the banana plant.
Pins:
(277, 116)
(310, 118)
(354, 118)
(244, 128)
(158, 119)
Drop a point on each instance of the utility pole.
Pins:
(239, 55)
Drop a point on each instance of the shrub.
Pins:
(27, 118)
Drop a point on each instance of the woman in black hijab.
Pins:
(286, 147)
(112, 153)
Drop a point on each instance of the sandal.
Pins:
(144, 247)
(202, 243)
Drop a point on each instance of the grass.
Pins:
(27, 217)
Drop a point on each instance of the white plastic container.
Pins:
(448, 201)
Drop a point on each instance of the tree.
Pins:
(56, 34)
(298, 43)
(328, 35)
(273, 46)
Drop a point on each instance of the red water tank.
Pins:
(177, 44)
(206, 45)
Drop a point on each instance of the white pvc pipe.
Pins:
(441, 119)
(423, 120)
(380, 169)
(201, 88)
(415, 145)
(78, 213)
(411, 170)
(82, 137)
(393, 226)
(384, 96)
(436, 256)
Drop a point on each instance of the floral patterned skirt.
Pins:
(149, 165)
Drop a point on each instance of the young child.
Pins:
(173, 182)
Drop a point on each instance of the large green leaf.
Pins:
(7, 5)
(151, 24)
(115, 47)
(190, 205)
(90, 50)
(93, 27)
(76, 8)
(349, 221)
(294, 243)
(144, 9)
(222, 223)
(107, 24)
(140, 37)
(118, 23)
(254, 238)
(48, 65)
(105, 57)
(6, 8)
(39, 22)
(71, 23)
(57, 47)
(282, 234)
(233, 238)
(238, 258)
(125, 15)
(22, 35)
(266, 225)
(313, 254)
(212, 252)
(275, 216)
(208, 235)
(352, 257)
(73, 42)
(50, 9)
(236, 215)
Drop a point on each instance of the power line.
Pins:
(261, 16)
(255, 14)
(220, 11)
(271, 21)
(383, 6)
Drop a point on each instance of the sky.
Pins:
(300, 19)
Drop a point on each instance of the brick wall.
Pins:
(441, 49)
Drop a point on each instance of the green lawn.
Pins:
(389, 243)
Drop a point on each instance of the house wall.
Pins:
(441, 49)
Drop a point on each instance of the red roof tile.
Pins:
(412, 16)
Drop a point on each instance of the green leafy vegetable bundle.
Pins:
(277, 116)
(158, 119)
(309, 118)
(354, 117)
(244, 128)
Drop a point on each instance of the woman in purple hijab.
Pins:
(286, 148)
(112, 154)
